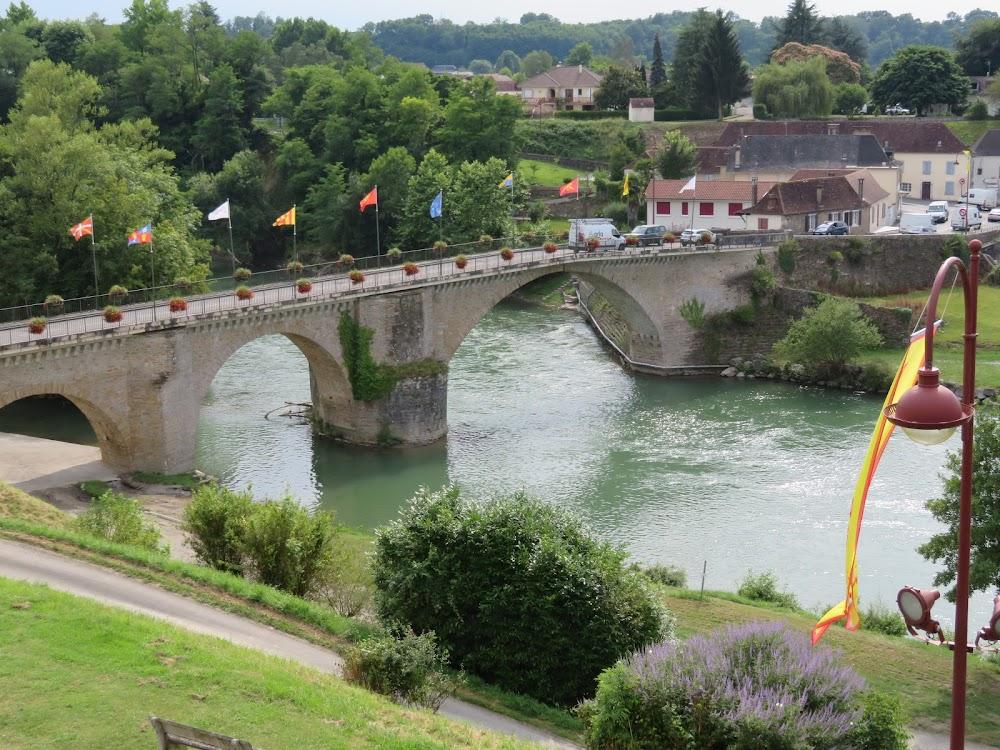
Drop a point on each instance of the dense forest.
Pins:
(172, 113)
(441, 42)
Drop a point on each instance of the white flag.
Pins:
(689, 186)
(222, 212)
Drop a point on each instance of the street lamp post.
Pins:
(929, 413)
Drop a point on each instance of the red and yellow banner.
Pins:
(286, 219)
(906, 377)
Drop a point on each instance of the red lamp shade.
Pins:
(989, 633)
(915, 606)
(928, 413)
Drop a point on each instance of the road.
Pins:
(24, 562)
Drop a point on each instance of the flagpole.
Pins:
(93, 252)
(441, 218)
(295, 232)
(152, 267)
(229, 219)
(378, 240)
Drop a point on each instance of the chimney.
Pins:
(753, 190)
(861, 189)
(581, 67)
(736, 156)
(819, 196)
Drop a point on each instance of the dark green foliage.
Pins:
(592, 114)
(834, 257)
(369, 381)
(984, 567)
(518, 592)
(829, 336)
(875, 377)
(617, 212)
(855, 250)
(676, 156)
(801, 24)
(287, 547)
(919, 77)
(693, 312)
(760, 112)
(978, 110)
(215, 521)
(882, 725)
(618, 86)
(882, 618)
(955, 245)
(667, 575)
(762, 283)
(119, 519)
(409, 668)
(674, 114)
(723, 75)
(763, 587)
(788, 251)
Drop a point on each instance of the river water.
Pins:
(741, 475)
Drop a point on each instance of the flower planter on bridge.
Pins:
(461, 261)
(244, 293)
(550, 247)
(53, 304)
(112, 314)
(37, 325)
(304, 286)
(507, 254)
(117, 294)
(356, 277)
(178, 304)
(411, 269)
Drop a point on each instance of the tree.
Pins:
(618, 86)
(218, 134)
(842, 36)
(984, 560)
(979, 52)
(723, 74)
(658, 71)
(829, 336)
(569, 604)
(480, 67)
(417, 229)
(479, 124)
(391, 172)
(509, 60)
(800, 24)
(849, 98)
(623, 51)
(581, 54)
(839, 67)
(919, 76)
(676, 156)
(685, 67)
(477, 206)
(536, 63)
(795, 89)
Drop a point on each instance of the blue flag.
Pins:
(436, 205)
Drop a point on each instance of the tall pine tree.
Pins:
(658, 71)
(723, 74)
(800, 24)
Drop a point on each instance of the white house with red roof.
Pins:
(712, 204)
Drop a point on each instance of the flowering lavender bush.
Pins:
(756, 685)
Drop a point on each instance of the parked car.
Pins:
(993, 215)
(832, 227)
(648, 234)
(698, 237)
(897, 109)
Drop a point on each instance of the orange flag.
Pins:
(570, 188)
(906, 376)
(83, 228)
(285, 219)
(370, 200)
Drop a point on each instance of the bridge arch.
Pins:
(112, 441)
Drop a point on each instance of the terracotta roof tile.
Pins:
(808, 196)
(907, 136)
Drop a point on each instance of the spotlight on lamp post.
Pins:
(990, 632)
(915, 606)
(930, 413)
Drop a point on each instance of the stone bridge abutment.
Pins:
(142, 389)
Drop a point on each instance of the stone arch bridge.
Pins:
(141, 383)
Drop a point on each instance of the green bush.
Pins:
(568, 604)
(762, 283)
(763, 587)
(288, 547)
(119, 519)
(881, 618)
(667, 575)
(592, 114)
(978, 110)
(215, 521)
(855, 249)
(828, 336)
(693, 312)
(875, 377)
(882, 725)
(788, 250)
(674, 114)
(409, 669)
(834, 257)
(617, 212)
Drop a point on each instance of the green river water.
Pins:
(739, 474)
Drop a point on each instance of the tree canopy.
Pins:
(919, 76)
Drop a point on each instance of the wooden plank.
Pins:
(175, 736)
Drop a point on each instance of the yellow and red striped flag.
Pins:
(906, 376)
(286, 219)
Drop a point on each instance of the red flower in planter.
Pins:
(356, 277)
(37, 324)
(244, 292)
(631, 240)
(550, 247)
(178, 304)
(112, 314)
(411, 269)
(507, 254)
(304, 286)
(461, 261)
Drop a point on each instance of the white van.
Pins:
(917, 224)
(983, 197)
(607, 236)
(940, 210)
(962, 219)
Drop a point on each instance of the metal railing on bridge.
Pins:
(143, 307)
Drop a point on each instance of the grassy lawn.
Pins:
(969, 131)
(20, 505)
(948, 342)
(76, 674)
(919, 674)
(546, 173)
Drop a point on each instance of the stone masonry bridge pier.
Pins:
(141, 383)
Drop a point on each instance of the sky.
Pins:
(347, 14)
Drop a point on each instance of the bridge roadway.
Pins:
(147, 317)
